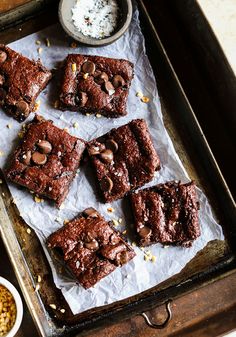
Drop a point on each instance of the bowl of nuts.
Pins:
(11, 309)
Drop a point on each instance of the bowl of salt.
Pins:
(95, 22)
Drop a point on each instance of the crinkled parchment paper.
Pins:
(128, 280)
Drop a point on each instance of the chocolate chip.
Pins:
(118, 81)
(114, 239)
(101, 78)
(2, 79)
(107, 156)
(145, 232)
(90, 212)
(22, 107)
(122, 257)
(106, 184)
(81, 99)
(44, 146)
(26, 158)
(108, 87)
(39, 158)
(93, 150)
(112, 145)
(3, 56)
(93, 245)
(88, 67)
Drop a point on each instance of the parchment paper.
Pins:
(45, 218)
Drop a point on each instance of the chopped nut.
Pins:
(88, 114)
(166, 246)
(3, 194)
(153, 259)
(110, 209)
(9, 126)
(40, 49)
(120, 220)
(133, 244)
(146, 258)
(115, 222)
(39, 278)
(28, 230)
(73, 45)
(66, 221)
(7, 311)
(37, 105)
(48, 44)
(74, 67)
(53, 306)
(66, 129)
(62, 311)
(124, 232)
(98, 115)
(139, 94)
(62, 206)
(145, 99)
(85, 76)
(21, 134)
(38, 200)
(38, 42)
(56, 104)
(76, 125)
(37, 287)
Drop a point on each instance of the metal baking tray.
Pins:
(21, 11)
(215, 261)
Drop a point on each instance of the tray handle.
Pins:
(162, 325)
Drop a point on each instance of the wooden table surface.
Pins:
(189, 319)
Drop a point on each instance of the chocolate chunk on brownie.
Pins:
(91, 247)
(94, 84)
(21, 81)
(166, 213)
(124, 159)
(46, 160)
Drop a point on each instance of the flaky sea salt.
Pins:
(95, 18)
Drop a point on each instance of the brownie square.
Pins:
(21, 81)
(46, 160)
(91, 247)
(124, 159)
(94, 84)
(166, 213)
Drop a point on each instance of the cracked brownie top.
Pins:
(124, 159)
(46, 160)
(91, 248)
(166, 213)
(21, 81)
(96, 84)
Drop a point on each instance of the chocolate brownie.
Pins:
(21, 81)
(91, 248)
(46, 160)
(124, 159)
(166, 213)
(94, 84)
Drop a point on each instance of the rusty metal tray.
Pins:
(215, 261)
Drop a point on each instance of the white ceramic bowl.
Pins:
(19, 306)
